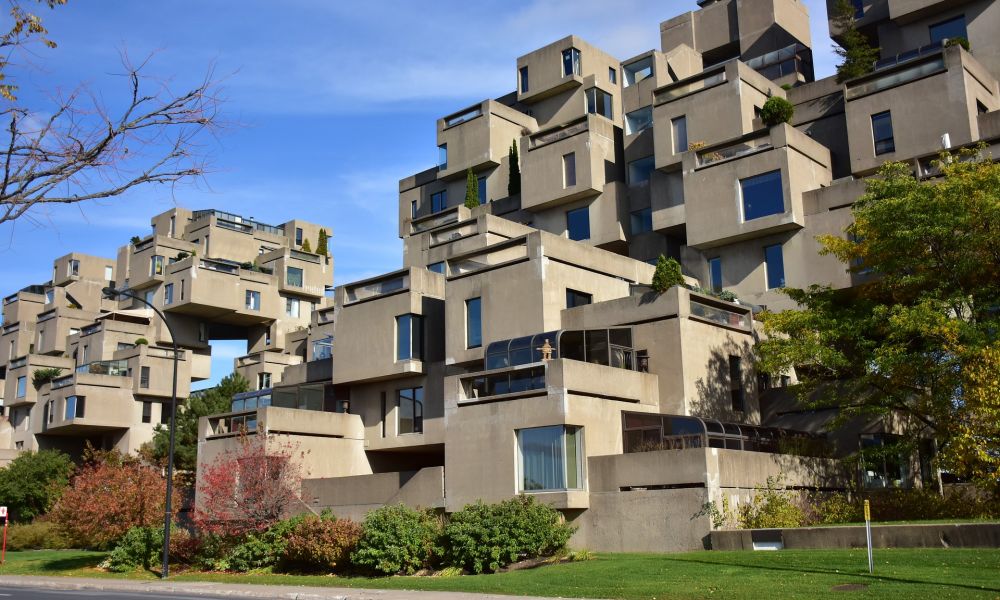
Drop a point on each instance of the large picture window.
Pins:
(410, 413)
(762, 196)
(293, 276)
(550, 458)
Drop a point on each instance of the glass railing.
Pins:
(91, 329)
(219, 266)
(322, 349)
(508, 382)
(17, 363)
(238, 223)
(774, 57)
(450, 235)
(463, 117)
(895, 78)
(683, 89)
(61, 382)
(116, 368)
(158, 352)
(902, 57)
(720, 315)
(278, 230)
(734, 151)
(378, 288)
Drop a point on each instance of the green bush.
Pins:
(959, 41)
(141, 342)
(141, 548)
(257, 550)
(320, 544)
(771, 507)
(835, 507)
(485, 537)
(667, 274)
(397, 539)
(776, 110)
(40, 535)
(32, 483)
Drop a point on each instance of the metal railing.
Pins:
(116, 368)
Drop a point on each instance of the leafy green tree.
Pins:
(32, 482)
(667, 274)
(917, 341)
(514, 179)
(209, 402)
(306, 246)
(856, 52)
(471, 190)
(322, 243)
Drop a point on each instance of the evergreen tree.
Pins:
(857, 53)
(471, 190)
(667, 274)
(306, 247)
(514, 181)
(322, 243)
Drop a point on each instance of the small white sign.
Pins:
(3, 511)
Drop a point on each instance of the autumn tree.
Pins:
(75, 148)
(917, 340)
(201, 404)
(108, 495)
(250, 487)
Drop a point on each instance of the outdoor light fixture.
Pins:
(112, 294)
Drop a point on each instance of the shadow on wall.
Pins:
(717, 396)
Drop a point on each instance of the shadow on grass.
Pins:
(52, 565)
(834, 572)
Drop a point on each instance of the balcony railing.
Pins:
(322, 349)
(462, 117)
(306, 256)
(219, 266)
(45, 316)
(91, 329)
(902, 57)
(64, 381)
(438, 220)
(378, 288)
(238, 223)
(719, 315)
(115, 368)
(17, 363)
(895, 78)
(11, 327)
(682, 88)
(144, 244)
(562, 133)
(734, 151)
(160, 352)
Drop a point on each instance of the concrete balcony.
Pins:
(908, 11)
(720, 211)
(218, 290)
(274, 363)
(150, 257)
(24, 305)
(459, 238)
(547, 180)
(928, 96)
(25, 366)
(53, 327)
(479, 137)
(85, 403)
(299, 273)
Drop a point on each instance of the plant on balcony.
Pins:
(40, 377)
(471, 190)
(667, 274)
(959, 41)
(776, 110)
(695, 146)
(514, 179)
(141, 342)
(306, 246)
(322, 243)
(855, 50)
(135, 240)
(182, 255)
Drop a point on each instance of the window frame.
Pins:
(939, 24)
(570, 214)
(168, 294)
(301, 276)
(574, 297)
(291, 303)
(410, 347)
(592, 106)
(575, 63)
(523, 80)
(647, 123)
(439, 201)
(578, 459)
(678, 130)
(715, 274)
(472, 341)
(252, 300)
(888, 144)
(743, 196)
(416, 397)
(768, 266)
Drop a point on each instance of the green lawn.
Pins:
(910, 573)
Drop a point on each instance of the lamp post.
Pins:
(114, 294)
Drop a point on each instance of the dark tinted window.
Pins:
(762, 195)
(578, 224)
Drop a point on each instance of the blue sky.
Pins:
(330, 104)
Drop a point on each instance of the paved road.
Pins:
(42, 594)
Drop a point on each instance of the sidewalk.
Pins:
(236, 590)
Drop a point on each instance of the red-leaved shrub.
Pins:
(321, 544)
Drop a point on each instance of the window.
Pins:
(410, 415)
(882, 133)
(439, 201)
(413, 209)
(715, 273)
(641, 220)
(149, 295)
(775, 266)
(73, 267)
(859, 8)
(84, 354)
(612, 75)
(762, 195)
(253, 300)
(599, 102)
(22, 382)
(639, 171)
(736, 383)
(182, 289)
(981, 108)
(41, 340)
(409, 337)
(384, 413)
(578, 223)
(263, 381)
(155, 265)
(550, 458)
(173, 226)
(168, 294)
(298, 236)
(292, 307)
(147, 412)
(144, 377)
(437, 267)
(164, 412)
(637, 71)
(569, 170)
(575, 298)
(293, 276)
(443, 156)
(571, 62)
(482, 190)
(50, 296)
(109, 273)
(638, 120)
(523, 75)
(74, 407)
(679, 129)
(949, 30)
(473, 322)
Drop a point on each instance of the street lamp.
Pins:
(113, 294)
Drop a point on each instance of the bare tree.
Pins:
(81, 150)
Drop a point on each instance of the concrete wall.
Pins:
(960, 535)
(354, 497)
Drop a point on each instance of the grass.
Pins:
(899, 573)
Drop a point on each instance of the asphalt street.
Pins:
(17, 593)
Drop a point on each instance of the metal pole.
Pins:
(868, 536)
(173, 427)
